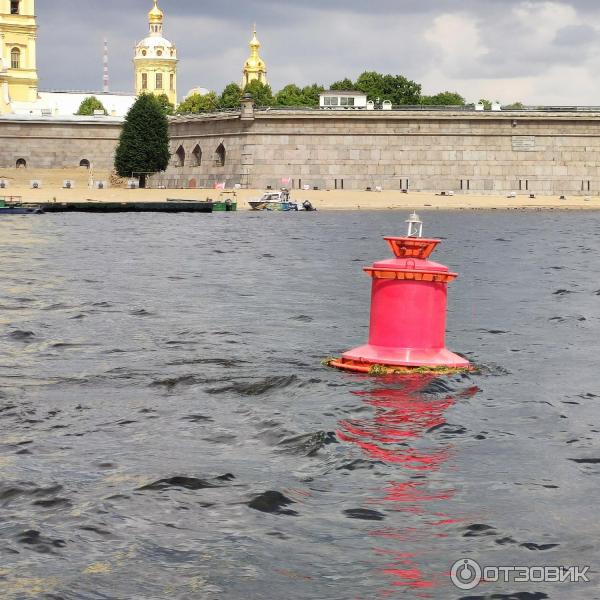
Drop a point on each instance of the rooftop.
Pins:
(58, 119)
(342, 93)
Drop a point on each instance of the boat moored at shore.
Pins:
(274, 201)
(13, 205)
(227, 202)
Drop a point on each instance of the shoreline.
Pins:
(321, 200)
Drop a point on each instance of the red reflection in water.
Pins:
(402, 417)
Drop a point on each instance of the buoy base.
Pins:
(378, 370)
(377, 360)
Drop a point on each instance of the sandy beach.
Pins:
(52, 190)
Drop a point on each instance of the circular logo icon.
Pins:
(466, 574)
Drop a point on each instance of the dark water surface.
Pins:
(167, 431)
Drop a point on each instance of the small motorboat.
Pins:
(274, 201)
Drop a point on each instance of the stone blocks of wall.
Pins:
(489, 153)
(198, 147)
(54, 143)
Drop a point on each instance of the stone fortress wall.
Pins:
(545, 152)
(58, 143)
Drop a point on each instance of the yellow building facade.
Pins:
(18, 69)
(255, 68)
(155, 60)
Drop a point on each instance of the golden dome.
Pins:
(255, 67)
(155, 16)
(254, 62)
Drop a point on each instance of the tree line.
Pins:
(378, 87)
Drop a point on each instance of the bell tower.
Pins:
(156, 60)
(18, 67)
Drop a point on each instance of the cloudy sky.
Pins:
(507, 50)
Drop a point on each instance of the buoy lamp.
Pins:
(415, 226)
(408, 310)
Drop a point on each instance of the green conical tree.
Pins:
(144, 141)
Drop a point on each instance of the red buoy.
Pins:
(408, 310)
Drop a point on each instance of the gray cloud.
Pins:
(582, 37)
(519, 41)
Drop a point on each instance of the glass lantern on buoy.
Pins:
(415, 226)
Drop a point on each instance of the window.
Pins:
(21, 163)
(144, 53)
(197, 154)
(84, 162)
(346, 101)
(172, 84)
(144, 81)
(159, 53)
(15, 8)
(159, 81)
(220, 156)
(330, 101)
(15, 58)
(180, 157)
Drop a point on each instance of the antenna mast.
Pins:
(105, 79)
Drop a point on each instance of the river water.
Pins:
(168, 432)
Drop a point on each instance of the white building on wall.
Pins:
(62, 104)
(343, 100)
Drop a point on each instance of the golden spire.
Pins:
(155, 16)
(254, 43)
